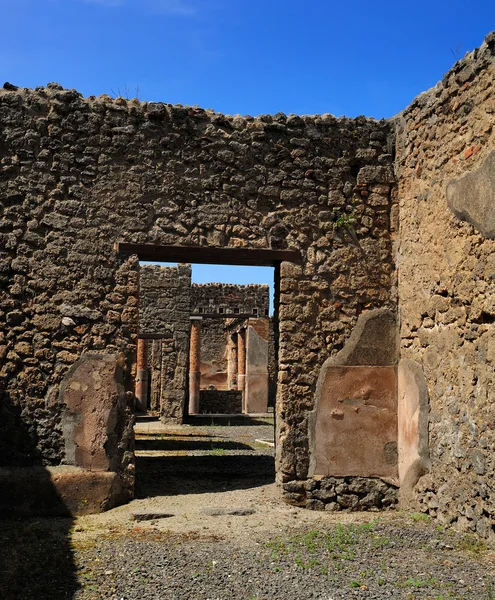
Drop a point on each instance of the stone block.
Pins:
(356, 423)
(471, 197)
(94, 398)
(58, 491)
(413, 408)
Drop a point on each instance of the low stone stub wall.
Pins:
(342, 493)
(446, 264)
(220, 402)
(353, 427)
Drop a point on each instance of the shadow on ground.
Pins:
(36, 560)
(174, 444)
(172, 475)
(36, 557)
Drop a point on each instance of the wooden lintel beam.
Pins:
(254, 257)
(226, 316)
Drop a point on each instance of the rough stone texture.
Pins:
(447, 287)
(220, 402)
(164, 300)
(161, 355)
(165, 295)
(96, 422)
(94, 400)
(341, 493)
(356, 427)
(78, 174)
(226, 298)
(472, 197)
(221, 298)
(373, 342)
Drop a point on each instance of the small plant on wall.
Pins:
(343, 220)
(343, 226)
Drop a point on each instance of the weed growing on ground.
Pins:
(417, 582)
(336, 546)
(489, 591)
(472, 544)
(420, 518)
(218, 451)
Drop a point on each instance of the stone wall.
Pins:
(342, 493)
(80, 174)
(164, 299)
(446, 263)
(227, 298)
(213, 354)
(220, 402)
(164, 310)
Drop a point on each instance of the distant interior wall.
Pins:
(164, 311)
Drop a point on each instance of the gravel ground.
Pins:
(373, 560)
(230, 537)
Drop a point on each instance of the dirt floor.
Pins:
(208, 523)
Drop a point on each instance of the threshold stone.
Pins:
(150, 516)
(236, 512)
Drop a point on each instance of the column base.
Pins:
(194, 384)
(241, 386)
(142, 390)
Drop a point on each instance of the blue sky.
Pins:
(243, 56)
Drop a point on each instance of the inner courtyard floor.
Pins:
(208, 523)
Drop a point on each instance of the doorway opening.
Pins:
(208, 338)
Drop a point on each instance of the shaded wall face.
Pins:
(213, 354)
(446, 265)
(164, 311)
(79, 175)
(164, 299)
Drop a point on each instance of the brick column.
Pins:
(194, 365)
(142, 376)
(241, 362)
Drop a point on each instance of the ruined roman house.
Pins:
(381, 235)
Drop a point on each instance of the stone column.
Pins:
(142, 375)
(241, 363)
(194, 365)
(256, 385)
(232, 362)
